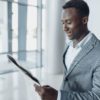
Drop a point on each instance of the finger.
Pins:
(46, 86)
(40, 90)
(37, 87)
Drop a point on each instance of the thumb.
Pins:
(39, 89)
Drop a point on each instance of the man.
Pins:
(81, 58)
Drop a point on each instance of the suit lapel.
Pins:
(85, 50)
(64, 57)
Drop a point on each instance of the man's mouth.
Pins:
(69, 34)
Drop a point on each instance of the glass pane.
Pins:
(44, 2)
(15, 0)
(3, 32)
(29, 2)
(3, 27)
(32, 2)
(43, 31)
(15, 27)
(31, 28)
(43, 28)
(31, 42)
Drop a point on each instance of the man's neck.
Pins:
(76, 41)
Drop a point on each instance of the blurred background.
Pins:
(31, 31)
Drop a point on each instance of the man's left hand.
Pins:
(46, 92)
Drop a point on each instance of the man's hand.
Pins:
(46, 92)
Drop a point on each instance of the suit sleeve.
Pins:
(94, 94)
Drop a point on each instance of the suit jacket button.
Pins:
(66, 79)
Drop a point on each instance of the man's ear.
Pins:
(85, 20)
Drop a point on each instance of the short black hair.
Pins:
(80, 5)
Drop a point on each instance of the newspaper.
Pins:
(23, 69)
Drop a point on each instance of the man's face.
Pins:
(72, 23)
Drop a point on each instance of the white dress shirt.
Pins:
(72, 52)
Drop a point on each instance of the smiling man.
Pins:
(81, 58)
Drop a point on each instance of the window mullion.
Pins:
(9, 27)
(39, 33)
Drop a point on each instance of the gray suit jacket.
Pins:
(82, 81)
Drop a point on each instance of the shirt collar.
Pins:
(82, 42)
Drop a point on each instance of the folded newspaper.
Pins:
(23, 69)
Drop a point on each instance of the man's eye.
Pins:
(62, 22)
(68, 22)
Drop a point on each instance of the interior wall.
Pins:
(94, 18)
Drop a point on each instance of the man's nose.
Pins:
(65, 27)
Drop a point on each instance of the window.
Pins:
(15, 29)
(31, 37)
(3, 31)
(9, 31)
